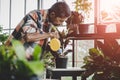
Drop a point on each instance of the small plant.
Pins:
(64, 40)
(3, 36)
(82, 12)
(73, 22)
(62, 52)
(75, 18)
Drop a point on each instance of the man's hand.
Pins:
(54, 35)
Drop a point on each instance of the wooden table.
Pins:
(57, 73)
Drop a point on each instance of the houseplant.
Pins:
(73, 22)
(81, 13)
(3, 36)
(103, 61)
(59, 54)
(14, 65)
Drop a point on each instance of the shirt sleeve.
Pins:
(33, 23)
(29, 24)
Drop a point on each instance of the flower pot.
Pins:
(101, 28)
(79, 29)
(61, 62)
(118, 27)
(83, 28)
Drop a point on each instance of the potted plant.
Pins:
(60, 54)
(64, 40)
(103, 61)
(82, 12)
(73, 23)
(14, 65)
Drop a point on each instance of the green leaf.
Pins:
(23, 68)
(37, 67)
(94, 51)
(37, 52)
(68, 51)
(19, 49)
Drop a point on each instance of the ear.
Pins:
(52, 14)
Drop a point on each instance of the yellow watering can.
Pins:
(55, 44)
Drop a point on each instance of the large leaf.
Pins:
(94, 51)
(19, 49)
(28, 68)
(37, 52)
(68, 51)
(23, 68)
(105, 48)
(37, 67)
(114, 44)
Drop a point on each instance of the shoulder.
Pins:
(38, 14)
(35, 14)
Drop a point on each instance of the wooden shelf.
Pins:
(94, 36)
(91, 37)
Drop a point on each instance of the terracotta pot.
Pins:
(118, 27)
(83, 28)
(101, 28)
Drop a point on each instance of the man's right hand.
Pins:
(54, 35)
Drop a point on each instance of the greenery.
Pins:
(13, 63)
(50, 55)
(103, 62)
(79, 16)
(83, 6)
(73, 22)
(3, 36)
(64, 39)
(75, 18)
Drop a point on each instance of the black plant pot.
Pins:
(61, 62)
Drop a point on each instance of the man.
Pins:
(39, 21)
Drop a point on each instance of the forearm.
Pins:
(8, 41)
(33, 37)
(42, 36)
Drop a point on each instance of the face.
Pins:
(56, 21)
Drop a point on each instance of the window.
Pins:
(12, 11)
(109, 11)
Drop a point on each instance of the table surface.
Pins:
(67, 69)
(57, 73)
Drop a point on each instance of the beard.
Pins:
(56, 24)
(53, 23)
